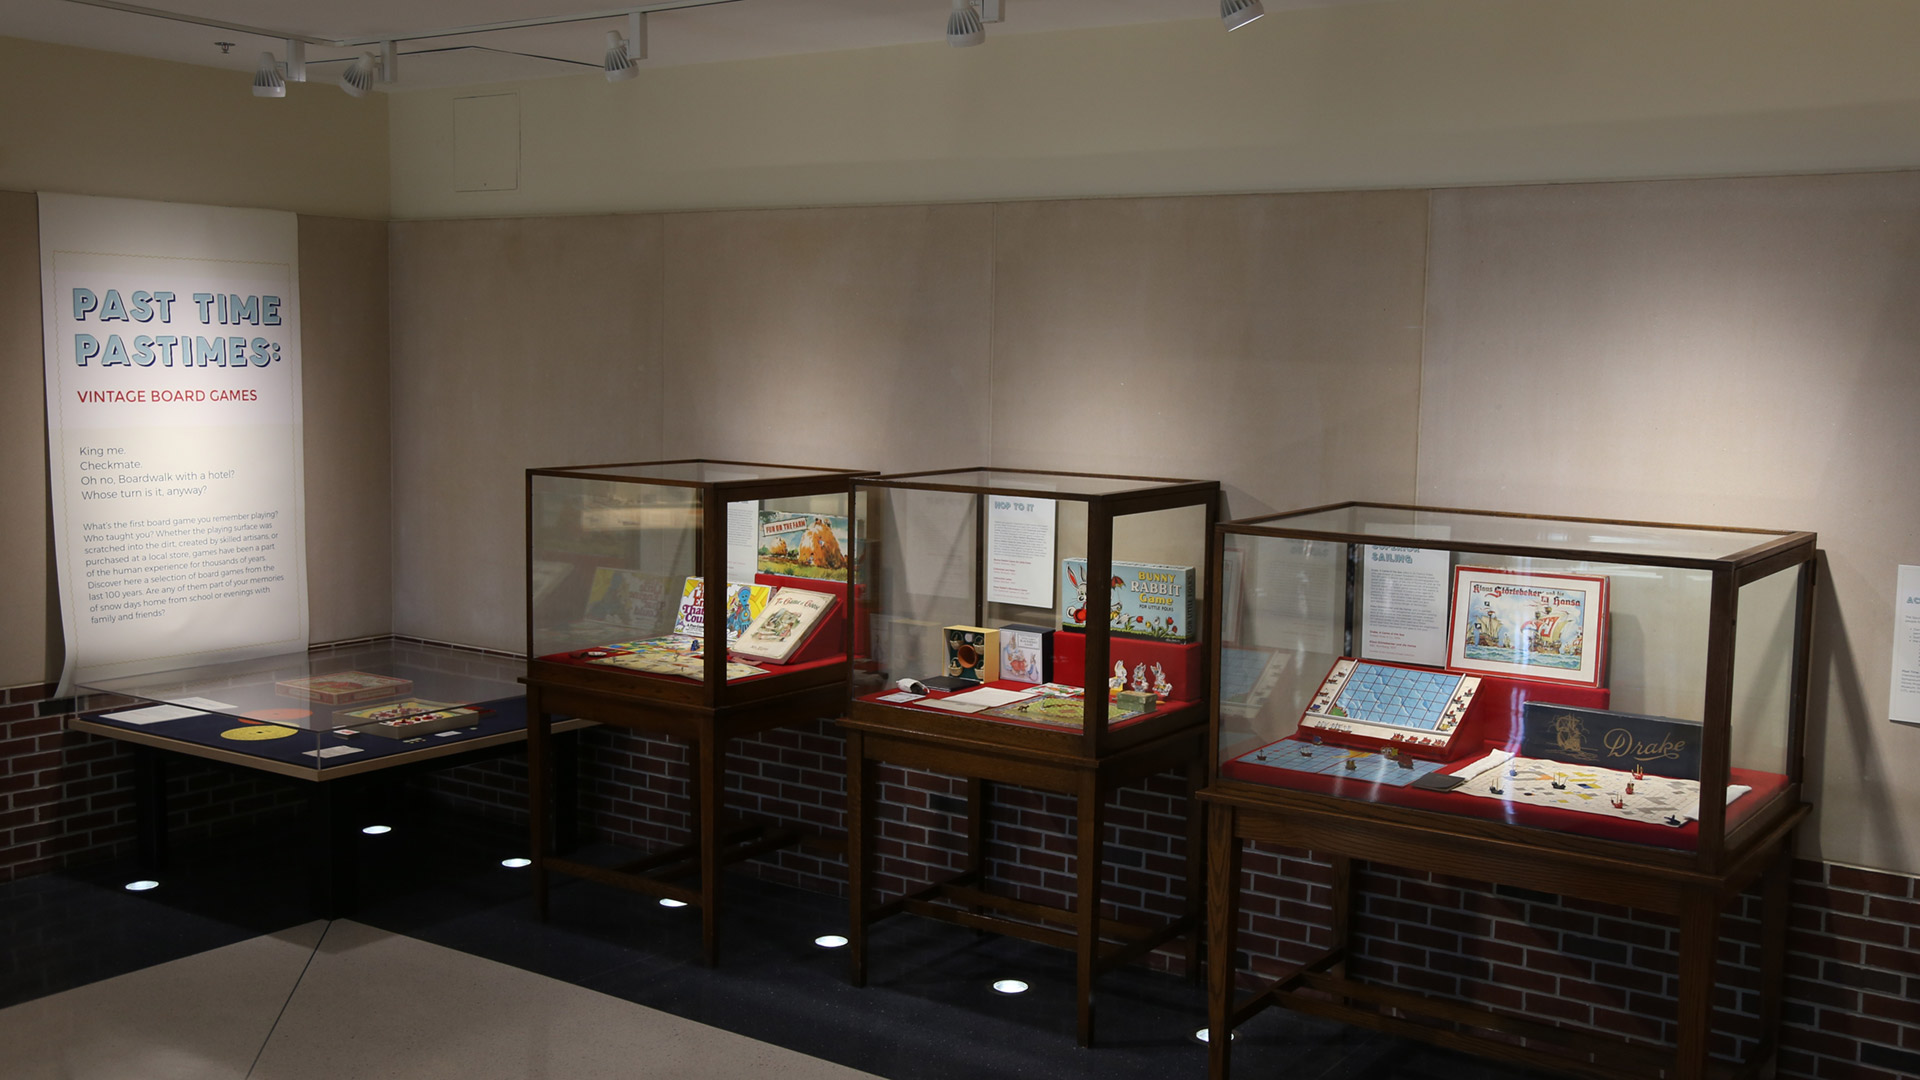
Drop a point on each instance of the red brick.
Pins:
(1850, 926)
(1873, 881)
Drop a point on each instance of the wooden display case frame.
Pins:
(1693, 886)
(1088, 766)
(706, 715)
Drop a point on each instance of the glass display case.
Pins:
(694, 582)
(337, 710)
(1627, 682)
(1054, 610)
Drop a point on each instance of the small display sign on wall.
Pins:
(1903, 696)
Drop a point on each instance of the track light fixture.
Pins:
(1238, 13)
(622, 52)
(964, 27)
(272, 77)
(266, 78)
(359, 76)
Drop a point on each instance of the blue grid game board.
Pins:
(1416, 706)
(1398, 697)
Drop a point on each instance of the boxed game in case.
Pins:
(1148, 600)
(343, 687)
(1026, 653)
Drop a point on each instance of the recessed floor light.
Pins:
(829, 941)
(515, 863)
(377, 830)
(1010, 986)
(142, 885)
(1206, 1035)
(668, 901)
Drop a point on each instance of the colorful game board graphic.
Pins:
(1607, 792)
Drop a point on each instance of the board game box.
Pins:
(803, 545)
(1148, 600)
(342, 687)
(1658, 745)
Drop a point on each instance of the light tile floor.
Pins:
(342, 999)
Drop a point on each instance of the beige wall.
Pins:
(516, 344)
(1735, 352)
(1216, 338)
(874, 322)
(97, 123)
(29, 619)
(1396, 94)
(349, 416)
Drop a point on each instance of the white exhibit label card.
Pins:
(172, 350)
(743, 540)
(1020, 550)
(1903, 698)
(1405, 615)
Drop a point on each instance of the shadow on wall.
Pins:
(1836, 678)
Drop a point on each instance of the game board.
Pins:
(1658, 799)
(1416, 706)
(1368, 767)
(1062, 712)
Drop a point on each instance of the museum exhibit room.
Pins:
(957, 539)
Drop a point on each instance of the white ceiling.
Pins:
(730, 31)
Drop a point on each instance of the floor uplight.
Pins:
(1010, 986)
(516, 863)
(142, 885)
(1205, 1035)
(668, 901)
(377, 830)
(829, 941)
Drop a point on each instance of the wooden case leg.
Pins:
(1195, 885)
(537, 795)
(1699, 949)
(1223, 926)
(711, 766)
(1775, 899)
(978, 793)
(1088, 867)
(857, 858)
(1341, 901)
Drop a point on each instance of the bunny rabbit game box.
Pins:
(1148, 600)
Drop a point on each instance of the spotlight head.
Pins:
(619, 67)
(266, 78)
(964, 27)
(1238, 13)
(359, 76)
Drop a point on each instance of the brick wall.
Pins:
(66, 797)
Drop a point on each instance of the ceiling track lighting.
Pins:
(360, 75)
(964, 26)
(622, 52)
(270, 79)
(266, 78)
(365, 70)
(1238, 13)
